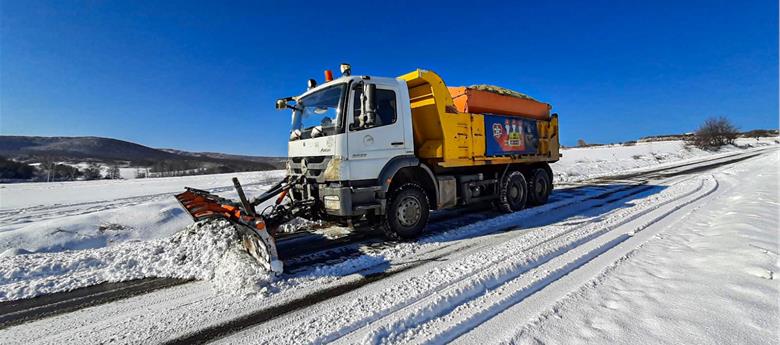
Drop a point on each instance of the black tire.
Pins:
(538, 186)
(407, 213)
(513, 193)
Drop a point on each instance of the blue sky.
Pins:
(203, 76)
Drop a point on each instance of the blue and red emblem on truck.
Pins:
(510, 135)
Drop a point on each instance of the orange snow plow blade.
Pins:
(200, 206)
(256, 239)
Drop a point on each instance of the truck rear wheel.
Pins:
(538, 186)
(513, 193)
(407, 213)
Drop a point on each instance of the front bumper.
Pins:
(340, 199)
(335, 199)
(351, 201)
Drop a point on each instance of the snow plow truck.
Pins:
(384, 152)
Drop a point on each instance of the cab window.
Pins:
(385, 108)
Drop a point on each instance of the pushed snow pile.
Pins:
(204, 251)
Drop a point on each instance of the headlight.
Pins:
(332, 202)
(295, 135)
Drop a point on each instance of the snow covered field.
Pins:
(52, 217)
(679, 258)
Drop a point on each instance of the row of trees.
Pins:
(167, 168)
(15, 170)
(52, 171)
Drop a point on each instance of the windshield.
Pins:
(318, 114)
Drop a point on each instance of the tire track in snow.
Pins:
(474, 274)
(671, 174)
(491, 300)
(467, 269)
(450, 322)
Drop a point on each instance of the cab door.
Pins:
(370, 148)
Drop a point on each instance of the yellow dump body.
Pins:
(447, 138)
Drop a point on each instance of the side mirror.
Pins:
(281, 104)
(368, 105)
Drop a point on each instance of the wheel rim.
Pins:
(515, 193)
(409, 211)
(540, 187)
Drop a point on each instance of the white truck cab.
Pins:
(342, 155)
(330, 127)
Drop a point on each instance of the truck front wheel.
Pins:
(513, 193)
(407, 213)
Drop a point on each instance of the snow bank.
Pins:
(579, 164)
(205, 251)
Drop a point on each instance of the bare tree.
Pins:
(47, 167)
(714, 133)
(113, 172)
(581, 143)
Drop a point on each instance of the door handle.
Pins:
(397, 143)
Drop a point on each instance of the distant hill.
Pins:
(215, 155)
(106, 150)
(68, 148)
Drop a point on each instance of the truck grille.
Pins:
(314, 167)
